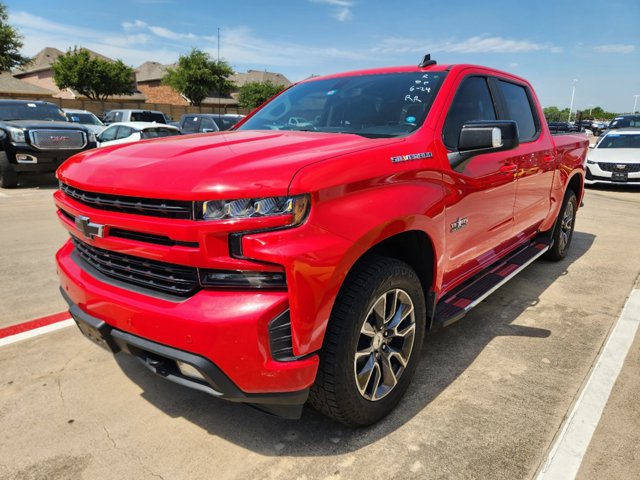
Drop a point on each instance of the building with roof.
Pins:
(39, 72)
(149, 80)
(12, 87)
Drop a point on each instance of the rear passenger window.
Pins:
(472, 102)
(519, 109)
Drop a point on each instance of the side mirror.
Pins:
(482, 137)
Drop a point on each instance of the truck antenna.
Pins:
(426, 61)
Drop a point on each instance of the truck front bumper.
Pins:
(214, 341)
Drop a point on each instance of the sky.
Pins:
(550, 43)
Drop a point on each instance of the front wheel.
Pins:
(372, 344)
(563, 231)
(8, 176)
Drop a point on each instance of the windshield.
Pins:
(85, 118)
(614, 140)
(380, 105)
(31, 111)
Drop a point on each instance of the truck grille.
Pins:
(157, 276)
(136, 205)
(613, 167)
(58, 139)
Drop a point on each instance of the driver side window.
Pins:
(472, 102)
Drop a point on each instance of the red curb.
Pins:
(31, 324)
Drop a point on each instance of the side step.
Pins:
(455, 304)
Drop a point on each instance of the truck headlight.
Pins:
(17, 135)
(92, 137)
(296, 207)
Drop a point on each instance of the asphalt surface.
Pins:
(489, 397)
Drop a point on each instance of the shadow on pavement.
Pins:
(41, 181)
(446, 355)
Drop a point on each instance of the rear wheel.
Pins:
(8, 176)
(563, 231)
(372, 345)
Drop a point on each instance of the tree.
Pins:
(197, 76)
(95, 78)
(10, 44)
(254, 94)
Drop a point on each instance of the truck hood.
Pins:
(213, 166)
(42, 125)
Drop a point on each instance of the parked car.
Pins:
(615, 159)
(273, 267)
(127, 132)
(36, 137)
(562, 127)
(85, 118)
(198, 123)
(201, 122)
(625, 121)
(126, 115)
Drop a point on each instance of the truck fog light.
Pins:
(242, 279)
(190, 371)
(24, 158)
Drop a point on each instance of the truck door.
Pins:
(535, 157)
(480, 192)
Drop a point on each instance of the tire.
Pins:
(368, 359)
(8, 176)
(563, 230)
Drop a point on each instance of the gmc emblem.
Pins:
(88, 229)
(59, 138)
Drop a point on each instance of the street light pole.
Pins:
(573, 93)
(635, 103)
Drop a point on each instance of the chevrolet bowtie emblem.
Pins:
(88, 229)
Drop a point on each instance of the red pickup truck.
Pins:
(284, 262)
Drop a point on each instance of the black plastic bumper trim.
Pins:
(161, 360)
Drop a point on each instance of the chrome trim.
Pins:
(29, 159)
(56, 132)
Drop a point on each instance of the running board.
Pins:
(455, 304)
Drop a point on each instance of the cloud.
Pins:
(341, 10)
(475, 44)
(615, 48)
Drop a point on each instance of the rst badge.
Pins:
(459, 224)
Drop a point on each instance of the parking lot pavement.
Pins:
(29, 236)
(488, 399)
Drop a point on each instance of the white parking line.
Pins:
(18, 337)
(566, 456)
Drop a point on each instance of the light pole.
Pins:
(635, 103)
(590, 109)
(573, 93)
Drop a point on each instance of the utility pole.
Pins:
(573, 93)
(635, 103)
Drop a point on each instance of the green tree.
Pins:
(10, 44)
(254, 94)
(94, 78)
(552, 114)
(197, 76)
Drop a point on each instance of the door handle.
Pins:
(509, 168)
(548, 158)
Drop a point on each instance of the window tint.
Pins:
(519, 109)
(208, 124)
(471, 103)
(159, 132)
(108, 134)
(191, 124)
(124, 132)
(117, 117)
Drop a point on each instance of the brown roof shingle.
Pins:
(9, 84)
